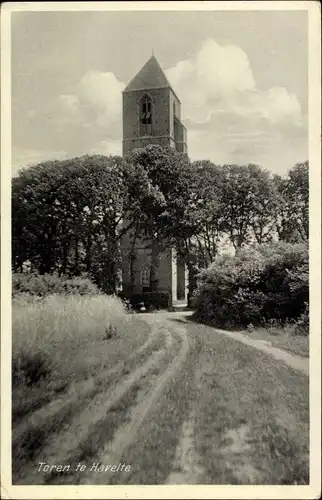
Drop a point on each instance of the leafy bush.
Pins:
(48, 284)
(29, 368)
(303, 323)
(257, 285)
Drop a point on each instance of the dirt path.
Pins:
(126, 434)
(129, 388)
(188, 407)
(295, 362)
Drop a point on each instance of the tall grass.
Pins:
(49, 331)
(63, 347)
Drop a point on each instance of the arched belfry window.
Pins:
(146, 115)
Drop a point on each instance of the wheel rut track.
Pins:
(99, 406)
(126, 434)
(89, 389)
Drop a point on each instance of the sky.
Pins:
(241, 76)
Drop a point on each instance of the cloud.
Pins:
(86, 120)
(23, 157)
(272, 151)
(217, 81)
(228, 116)
(223, 70)
(277, 106)
(220, 79)
(92, 114)
(71, 102)
(107, 148)
(102, 92)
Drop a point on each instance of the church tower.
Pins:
(152, 115)
(152, 111)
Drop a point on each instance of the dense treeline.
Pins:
(69, 217)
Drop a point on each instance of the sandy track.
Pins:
(83, 389)
(187, 468)
(175, 413)
(126, 434)
(294, 361)
(120, 379)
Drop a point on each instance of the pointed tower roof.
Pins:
(151, 76)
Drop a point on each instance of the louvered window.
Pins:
(146, 116)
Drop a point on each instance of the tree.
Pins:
(67, 217)
(266, 204)
(209, 210)
(293, 214)
(38, 217)
(249, 204)
(73, 216)
(164, 200)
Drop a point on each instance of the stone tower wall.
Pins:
(166, 130)
(161, 119)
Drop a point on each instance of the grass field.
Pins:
(283, 338)
(49, 335)
(62, 347)
(227, 413)
(257, 429)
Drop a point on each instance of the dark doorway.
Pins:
(181, 284)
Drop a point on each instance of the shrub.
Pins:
(258, 284)
(302, 326)
(48, 284)
(29, 368)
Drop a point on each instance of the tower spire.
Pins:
(152, 51)
(150, 76)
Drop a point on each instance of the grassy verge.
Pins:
(283, 338)
(51, 335)
(98, 435)
(253, 425)
(61, 347)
